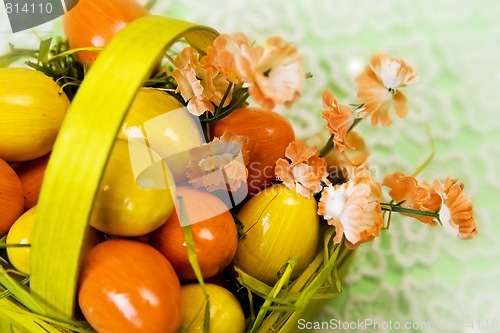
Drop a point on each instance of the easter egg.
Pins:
(32, 108)
(11, 197)
(226, 314)
(168, 128)
(128, 286)
(214, 232)
(31, 176)
(278, 223)
(268, 133)
(96, 22)
(122, 206)
(20, 233)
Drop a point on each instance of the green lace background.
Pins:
(412, 273)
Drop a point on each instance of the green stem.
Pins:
(169, 57)
(4, 246)
(285, 278)
(398, 209)
(221, 104)
(226, 112)
(328, 146)
(150, 4)
(354, 124)
(72, 51)
(193, 260)
(239, 225)
(431, 156)
(207, 128)
(15, 55)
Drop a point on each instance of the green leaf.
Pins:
(16, 54)
(19, 292)
(44, 50)
(193, 260)
(285, 278)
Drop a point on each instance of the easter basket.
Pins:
(300, 280)
(73, 176)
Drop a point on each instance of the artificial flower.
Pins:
(353, 208)
(220, 164)
(201, 88)
(406, 189)
(353, 155)
(340, 119)
(273, 74)
(230, 54)
(278, 74)
(303, 169)
(379, 87)
(456, 210)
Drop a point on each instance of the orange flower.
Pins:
(230, 54)
(200, 87)
(278, 74)
(273, 73)
(414, 196)
(339, 119)
(354, 154)
(220, 164)
(456, 210)
(304, 170)
(353, 208)
(378, 87)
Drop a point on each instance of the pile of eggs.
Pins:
(136, 275)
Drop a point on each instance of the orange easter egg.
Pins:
(215, 237)
(31, 176)
(11, 197)
(96, 22)
(268, 133)
(128, 286)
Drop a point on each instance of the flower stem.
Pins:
(356, 122)
(328, 146)
(73, 51)
(226, 112)
(207, 128)
(5, 246)
(221, 104)
(150, 4)
(431, 156)
(398, 209)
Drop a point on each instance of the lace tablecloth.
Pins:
(412, 273)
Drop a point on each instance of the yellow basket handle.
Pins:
(82, 149)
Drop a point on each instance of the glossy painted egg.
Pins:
(20, 233)
(11, 197)
(31, 176)
(95, 22)
(171, 131)
(31, 113)
(269, 134)
(215, 237)
(279, 224)
(128, 286)
(226, 314)
(123, 207)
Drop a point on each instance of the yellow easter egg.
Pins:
(123, 207)
(278, 223)
(31, 112)
(20, 233)
(166, 127)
